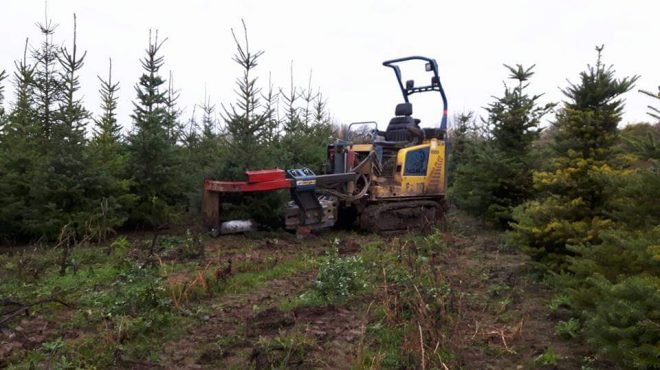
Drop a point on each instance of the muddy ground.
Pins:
(497, 314)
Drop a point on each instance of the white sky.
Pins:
(345, 42)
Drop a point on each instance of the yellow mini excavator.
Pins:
(381, 181)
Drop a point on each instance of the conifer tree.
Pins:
(515, 117)
(614, 286)
(245, 121)
(321, 114)
(571, 209)
(208, 119)
(72, 114)
(190, 136)
(292, 121)
(653, 111)
(20, 157)
(246, 137)
(69, 177)
(3, 76)
(271, 103)
(46, 80)
(494, 176)
(108, 155)
(173, 113)
(192, 159)
(308, 97)
(108, 130)
(318, 132)
(460, 139)
(151, 160)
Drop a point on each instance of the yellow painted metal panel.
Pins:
(362, 147)
(434, 180)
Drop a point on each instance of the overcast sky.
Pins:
(345, 42)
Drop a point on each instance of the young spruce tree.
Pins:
(108, 154)
(245, 121)
(247, 138)
(71, 178)
(151, 151)
(571, 208)
(19, 156)
(494, 176)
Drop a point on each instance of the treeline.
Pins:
(67, 174)
(581, 198)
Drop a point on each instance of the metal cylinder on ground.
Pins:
(237, 226)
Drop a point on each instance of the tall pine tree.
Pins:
(246, 137)
(20, 156)
(108, 154)
(72, 182)
(48, 198)
(46, 79)
(245, 122)
(151, 161)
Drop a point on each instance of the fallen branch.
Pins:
(500, 333)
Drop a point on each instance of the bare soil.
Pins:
(501, 316)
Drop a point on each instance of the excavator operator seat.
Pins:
(404, 127)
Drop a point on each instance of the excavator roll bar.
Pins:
(409, 88)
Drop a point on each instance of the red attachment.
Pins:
(263, 180)
(265, 175)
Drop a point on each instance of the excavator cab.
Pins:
(401, 169)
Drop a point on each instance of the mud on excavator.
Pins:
(380, 181)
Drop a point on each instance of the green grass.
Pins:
(305, 299)
(382, 348)
(246, 281)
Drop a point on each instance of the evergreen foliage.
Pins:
(614, 285)
(571, 204)
(492, 173)
(108, 130)
(46, 79)
(653, 111)
(3, 76)
(108, 154)
(306, 128)
(589, 192)
(55, 176)
(19, 155)
(245, 120)
(151, 159)
(459, 138)
(70, 178)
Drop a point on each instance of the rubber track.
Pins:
(397, 216)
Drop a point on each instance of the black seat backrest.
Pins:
(403, 109)
(404, 127)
